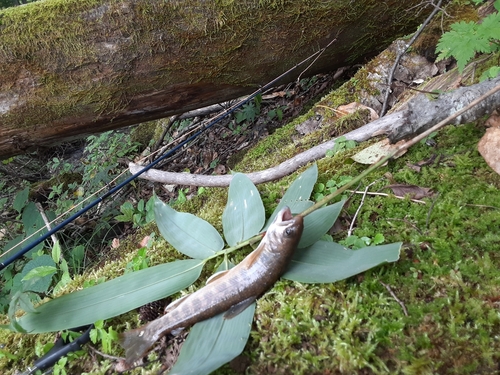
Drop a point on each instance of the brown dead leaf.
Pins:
(494, 120)
(220, 169)
(115, 243)
(355, 106)
(376, 151)
(144, 241)
(414, 191)
(489, 148)
(418, 166)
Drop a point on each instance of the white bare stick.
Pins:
(289, 166)
(349, 232)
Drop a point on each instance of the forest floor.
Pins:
(434, 311)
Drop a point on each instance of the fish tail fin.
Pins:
(136, 343)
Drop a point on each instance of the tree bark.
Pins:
(75, 67)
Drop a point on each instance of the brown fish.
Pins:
(231, 291)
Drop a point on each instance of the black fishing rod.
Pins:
(216, 119)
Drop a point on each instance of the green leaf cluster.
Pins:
(341, 144)
(215, 341)
(140, 216)
(465, 39)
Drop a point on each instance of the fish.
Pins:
(230, 291)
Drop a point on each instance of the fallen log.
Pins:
(70, 68)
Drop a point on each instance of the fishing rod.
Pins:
(214, 121)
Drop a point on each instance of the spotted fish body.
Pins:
(231, 291)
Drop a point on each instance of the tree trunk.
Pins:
(75, 67)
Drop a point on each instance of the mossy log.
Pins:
(69, 68)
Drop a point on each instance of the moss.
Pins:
(447, 277)
(146, 133)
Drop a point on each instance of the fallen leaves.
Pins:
(375, 152)
(413, 191)
(489, 145)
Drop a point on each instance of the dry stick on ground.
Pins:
(384, 195)
(169, 124)
(287, 167)
(395, 297)
(430, 210)
(401, 53)
(46, 221)
(349, 232)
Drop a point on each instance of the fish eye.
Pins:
(289, 231)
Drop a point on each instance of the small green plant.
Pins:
(140, 216)
(275, 113)
(249, 111)
(140, 260)
(321, 190)
(354, 242)
(104, 336)
(341, 144)
(181, 195)
(465, 39)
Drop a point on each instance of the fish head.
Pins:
(285, 231)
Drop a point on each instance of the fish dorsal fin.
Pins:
(175, 304)
(216, 276)
(239, 307)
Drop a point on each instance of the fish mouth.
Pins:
(285, 214)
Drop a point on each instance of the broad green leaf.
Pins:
(20, 199)
(40, 272)
(33, 221)
(244, 214)
(189, 234)
(112, 298)
(44, 282)
(65, 278)
(317, 223)
(56, 252)
(297, 195)
(25, 302)
(326, 262)
(490, 29)
(214, 342)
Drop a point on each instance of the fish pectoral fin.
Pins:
(177, 331)
(216, 276)
(239, 307)
(175, 304)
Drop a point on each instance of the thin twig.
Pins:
(171, 121)
(395, 297)
(385, 195)
(104, 355)
(46, 221)
(317, 57)
(482, 206)
(430, 210)
(401, 53)
(349, 232)
(406, 222)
